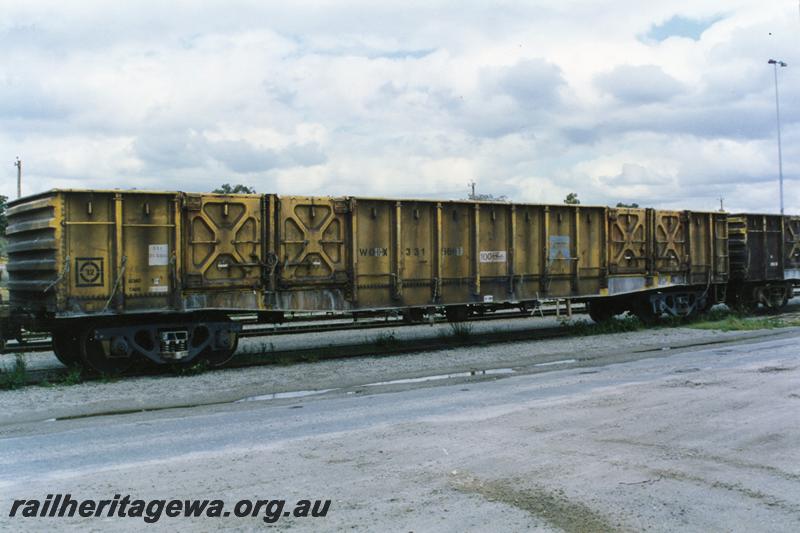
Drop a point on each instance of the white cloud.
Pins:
(531, 100)
(637, 85)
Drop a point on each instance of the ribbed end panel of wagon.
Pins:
(35, 263)
(791, 248)
(737, 246)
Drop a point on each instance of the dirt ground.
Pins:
(631, 438)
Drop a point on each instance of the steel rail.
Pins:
(252, 359)
(263, 331)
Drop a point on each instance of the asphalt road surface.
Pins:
(703, 439)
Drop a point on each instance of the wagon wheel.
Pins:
(218, 358)
(95, 356)
(780, 299)
(644, 312)
(600, 311)
(67, 348)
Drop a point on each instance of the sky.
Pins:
(666, 104)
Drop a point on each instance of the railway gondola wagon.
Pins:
(119, 275)
(99, 271)
(764, 258)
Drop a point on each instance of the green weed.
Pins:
(385, 339)
(72, 377)
(16, 376)
(584, 327)
(738, 323)
(200, 366)
(460, 330)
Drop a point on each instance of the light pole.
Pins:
(18, 164)
(775, 64)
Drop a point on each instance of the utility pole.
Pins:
(721, 206)
(472, 185)
(18, 164)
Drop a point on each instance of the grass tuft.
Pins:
(72, 377)
(738, 323)
(15, 377)
(200, 366)
(385, 339)
(461, 330)
(621, 324)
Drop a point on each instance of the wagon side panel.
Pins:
(223, 261)
(314, 253)
(373, 246)
(590, 260)
(151, 244)
(458, 252)
(493, 282)
(629, 245)
(417, 252)
(529, 256)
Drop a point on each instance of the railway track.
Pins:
(39, 344)
(44, 345)
(250, 359)
(390, 347)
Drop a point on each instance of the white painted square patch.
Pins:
(492, 256)
(158, 255)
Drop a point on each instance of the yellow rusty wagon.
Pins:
(116, 275)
